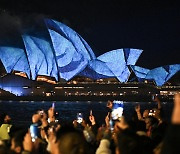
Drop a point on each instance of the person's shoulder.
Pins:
(6, 125)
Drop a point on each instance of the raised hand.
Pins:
(107, 119)
(122, 124)
(137, 108)
(92, 119)
(27, 143)
(176, 111)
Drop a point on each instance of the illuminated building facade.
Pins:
(63, 54)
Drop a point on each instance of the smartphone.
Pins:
(79, 117)
(151, 113)
(153, 97)
(117, 110)
(111, 124)
(34, 131)
(90, 113)
(53, 105)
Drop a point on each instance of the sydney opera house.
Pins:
(58, 62)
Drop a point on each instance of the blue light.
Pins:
(140, 72)
(158, 75)
(132, 56)
(173, 69)
(69, 61)
(40, 56)
(71, 50)
(14, 90)
(14, 59)
(115, 60)
(162, 74)
(74, 38)
(69, 71)
(61, 52)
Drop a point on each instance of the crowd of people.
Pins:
(145, 133)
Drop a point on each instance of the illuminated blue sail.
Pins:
(172, 69)
(116, 62)
(162, 74)
(69, 61)
(132, 55)
(63, 53)
(140, 72)
(124, 75)
(70, 35)
(71, 51)
(40, 56)
(158, 75)
(14, 59)
(97, 69)
(77, 64)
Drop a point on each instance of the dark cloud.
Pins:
(13, 26)
(10, 25)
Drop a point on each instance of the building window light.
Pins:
(25, 87)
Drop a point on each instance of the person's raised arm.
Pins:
(172, 138)
(107, 119)
(137, 109)
(158, 102)
(175, 119)
(51, 117)
(92, 120)
(27, 144)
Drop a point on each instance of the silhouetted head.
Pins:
(71, 141)
(128, 144)
(5, 118)
(17, 141)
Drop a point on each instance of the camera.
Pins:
(117, 110)
(151, 113)
(79, 117)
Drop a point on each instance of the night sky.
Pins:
(151, 25)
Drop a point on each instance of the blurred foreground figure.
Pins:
(172, 140)
(5, 126)
(68, 140)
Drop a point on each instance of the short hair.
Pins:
(18, 137)
(128, 143)
(71, 141)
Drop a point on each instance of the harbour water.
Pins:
(21, 111)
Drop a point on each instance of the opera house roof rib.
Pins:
(62, 53)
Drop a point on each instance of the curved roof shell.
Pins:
(62, 53)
